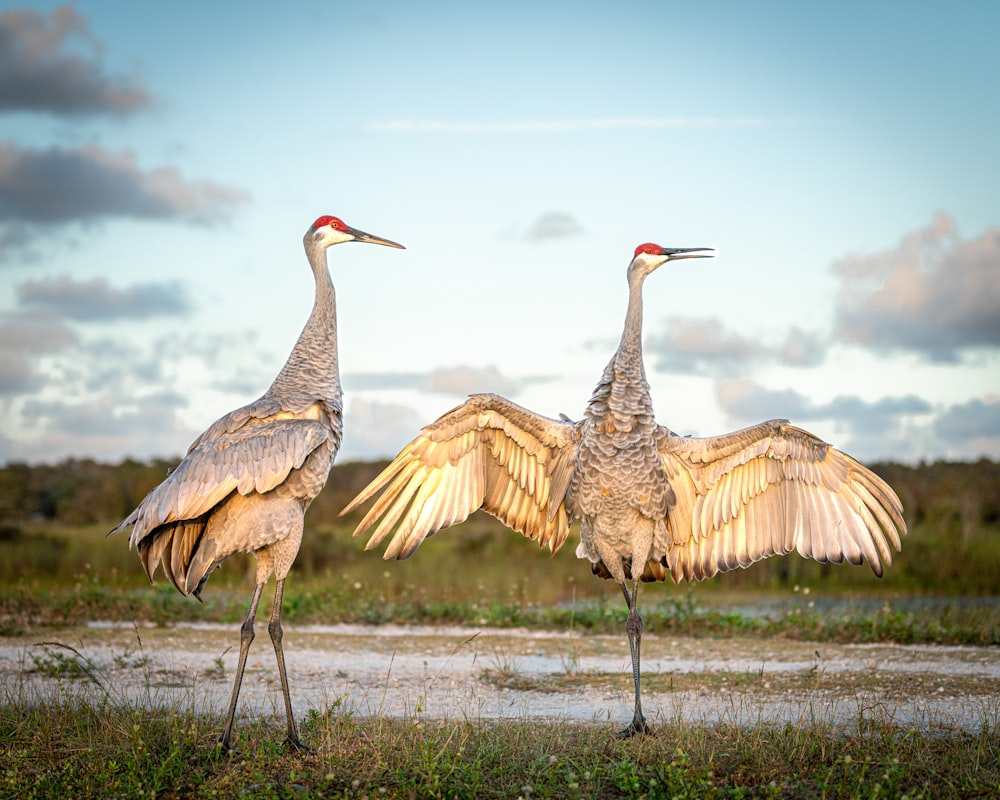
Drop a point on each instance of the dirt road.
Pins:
(438, 672)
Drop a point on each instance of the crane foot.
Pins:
(225, 748)
(295, 744)
(637, 726)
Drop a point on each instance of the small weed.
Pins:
(55, 664)
(570, 660)
(505, 665)
(217, 670)
(127, 660)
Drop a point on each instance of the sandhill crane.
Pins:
(246, 482)
(648, 501)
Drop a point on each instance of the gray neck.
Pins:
(623, 389)
(629, 355)
(312, 368)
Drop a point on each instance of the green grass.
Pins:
(54, 747)
(476, 575)
(690, 614)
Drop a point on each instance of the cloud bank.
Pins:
(706, 347)
(53, 64)
(933, 294)
(904, 427)
(42, 70)
(61, 184)
(98, 300)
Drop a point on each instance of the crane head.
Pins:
(327, 231)
(649, 256)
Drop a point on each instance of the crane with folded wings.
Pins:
(246, 482)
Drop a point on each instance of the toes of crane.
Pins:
(637, 726)
(296, 745)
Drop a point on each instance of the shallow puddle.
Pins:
(455, 673)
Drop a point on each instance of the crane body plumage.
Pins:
(619, 490)
(246, 482)
(650, 503)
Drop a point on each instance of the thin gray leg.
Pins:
(633, 627)
(246, 636)
(274, 628)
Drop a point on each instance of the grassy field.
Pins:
(55, 746)
(478, 574)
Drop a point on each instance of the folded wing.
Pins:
(257, 457)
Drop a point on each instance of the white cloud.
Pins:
(706, 346)
(52, 430)
(24, 337)
(468, 380)
(365, 381)
(554, 225)
(373, 427)
(934, 294)
(971, 422)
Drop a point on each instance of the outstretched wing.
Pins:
(487, 453)
(770, 489)
(254, 458)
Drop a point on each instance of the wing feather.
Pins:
(396, 506)
(487, 453)
(768, 490)
(254, 458)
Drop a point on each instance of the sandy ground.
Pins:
(481, 674)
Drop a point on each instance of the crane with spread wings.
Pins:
(650, 503)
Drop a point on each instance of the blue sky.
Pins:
(159, 164)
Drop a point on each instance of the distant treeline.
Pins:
(960, 495)
(952, 510)
(86, 492)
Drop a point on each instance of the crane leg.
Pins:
(246, 636)
(633, 627)
(274, 628)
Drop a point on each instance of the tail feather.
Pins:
(175, 547)
(652, 571)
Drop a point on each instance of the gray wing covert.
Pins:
(260, 409)
(486, 453)
(253, 458)
(770, 489)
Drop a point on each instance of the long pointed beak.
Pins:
(677, 253)
(361, 236)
